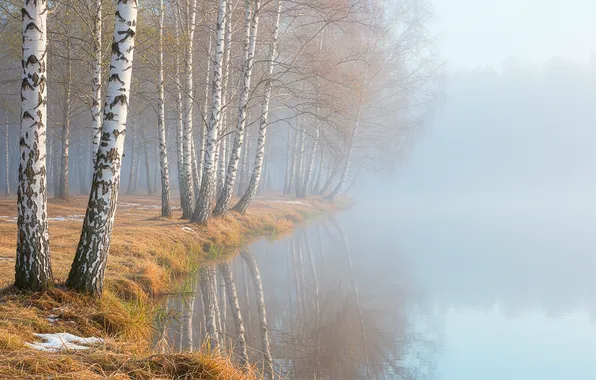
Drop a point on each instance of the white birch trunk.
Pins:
(250, 38)
(299, 159)
(253, 185)
(96, 87)
(7, 163)
(317, 184)
(179, 123)
(289, 161)
(166, 209)
(240, 343)
(188, 199)
(258, 286)
(201, 153)
(208, 185)
(225, 108)
(309, 166)
(87, 271)
(64, 174)
(33, 270)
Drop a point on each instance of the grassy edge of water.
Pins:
(124, 316)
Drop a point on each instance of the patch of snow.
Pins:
(63, 341)
(4, 217)
(290, 202)
(187, 229)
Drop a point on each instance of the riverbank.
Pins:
(149, 256)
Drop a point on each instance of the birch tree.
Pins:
(251, 29)
(6, 162)
(253, 185)
(208, 185)
(33, 269)
(187, 105)
(88, 268)
(166, 209)
(96, 88)
(232, 296)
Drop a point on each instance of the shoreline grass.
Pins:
(149, 256)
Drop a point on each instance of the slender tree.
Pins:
(96, 88)
(33, 270)
(166, 209)
(253, 185)
(87, 271)
(251, 29)
(208, 185)
(240, 343)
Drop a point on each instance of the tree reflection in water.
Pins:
(316, 314)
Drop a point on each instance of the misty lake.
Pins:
(392, 292)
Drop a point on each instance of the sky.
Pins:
(485, 32)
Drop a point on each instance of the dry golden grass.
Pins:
(148, 255)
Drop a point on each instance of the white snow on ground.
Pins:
(289, 202)
(52, 318)
(63, 341)
(187, 229)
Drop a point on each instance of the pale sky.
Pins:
(485, 32)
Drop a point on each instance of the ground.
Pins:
(149, 256)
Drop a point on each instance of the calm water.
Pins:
(394, 292)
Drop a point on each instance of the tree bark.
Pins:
(250, 31)
(179, 123)
(166, 209)
(317, 184)
(133, 161)
(87, 271)
(300, 159)
(63, 190)
(253, 185)
(258, 286)
(240, 344)
(7, 162)
(96, 87)
(33, 270)
(208, 185)
(188, 190)
(147, 163)
(289, 162)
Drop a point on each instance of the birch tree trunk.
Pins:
(188, 198)
(208, 185)
(87, 271)
(223, 310)
(309, 166)
(240, 344)
(147, 164)
(56, 160)
(33, 270)
(179, 123)
(133, 161)
(7, 162)
(205, 119)
(96, 87)
(258, 286)
(299, 160)
(81, 164)
(225, 108)
(250, 31)
(253, 185)
(63, 190)
(317, 184)
(289, 162)
(329, 181)
(166, 209)
(242, 172)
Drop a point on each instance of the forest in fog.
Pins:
(196, 87)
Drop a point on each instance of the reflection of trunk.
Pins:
(317, 301)
(355, 287)
(209, 308)
(187, 326)
(213, 291)
(240, 344)
(258, 286)
(246, 296)
(302, 281)
(297, 280)
(222, 310)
